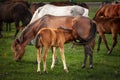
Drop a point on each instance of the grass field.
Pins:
(106, 67)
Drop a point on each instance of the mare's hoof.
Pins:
(1, 36)
(83, 66)
(91, 66)
(109, 52)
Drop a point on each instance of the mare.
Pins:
(14, 12)
(108, 26)
(59, 11)
(83, 26)
(109, 10)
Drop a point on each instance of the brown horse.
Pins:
(109, 10)
(108, 26)
(85, 33)
(14, 12)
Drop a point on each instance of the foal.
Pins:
(51, 37)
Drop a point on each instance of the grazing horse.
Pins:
(14, 12)
(59, 11)
(109, 10)
(83, 26)
(108, 26)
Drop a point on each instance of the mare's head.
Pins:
(18, 50)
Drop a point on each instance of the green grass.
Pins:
(106, 67)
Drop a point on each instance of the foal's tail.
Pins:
(37, 42)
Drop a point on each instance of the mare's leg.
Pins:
(88, 51)
(17, 28)
(44, 59)
(104, 39)
(85, 57)
(1, 24)
(63, 58)
(114, 42)
(99, 42)
(53, 57)
(39, 58)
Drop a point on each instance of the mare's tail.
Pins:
(91, 36)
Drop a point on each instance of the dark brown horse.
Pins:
(109, 10)
(83, 27)
(14, 12)
(108, 26)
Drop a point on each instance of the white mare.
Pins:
(74, 10)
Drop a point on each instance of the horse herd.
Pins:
(53, 25)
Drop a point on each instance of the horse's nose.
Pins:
(17, 60)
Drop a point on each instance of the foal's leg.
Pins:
(44, 58)
(53, 57)
(39, 58)
(99, 42)
(63, 58)
(114, 42)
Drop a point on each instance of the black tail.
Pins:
(92, 35)
(37, 43)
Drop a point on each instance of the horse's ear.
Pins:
(17, 40)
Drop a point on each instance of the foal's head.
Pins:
(18, 50)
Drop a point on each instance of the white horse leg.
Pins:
(53, 57)
(38, 59)
(63, 59)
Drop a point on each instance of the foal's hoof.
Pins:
(38, 72)
(45, 72)
(66, 70)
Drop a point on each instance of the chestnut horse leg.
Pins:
(114, 42)
(99, 42)
(39, 59)
(63, 58)
(104, 39)
(44, 58)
